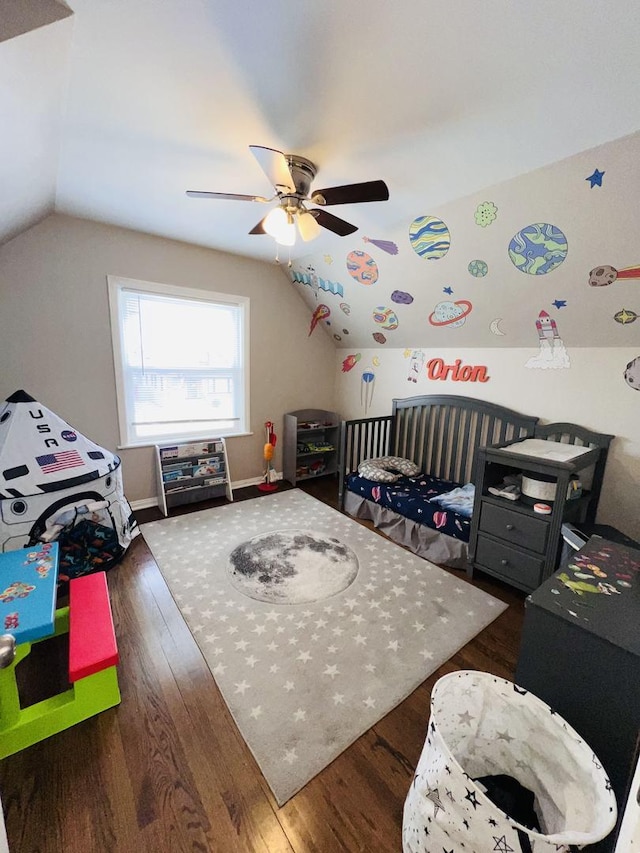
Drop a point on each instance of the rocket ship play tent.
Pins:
(57, 484)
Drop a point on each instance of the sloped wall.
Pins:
(488, 270)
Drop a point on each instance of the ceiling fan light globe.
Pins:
(308, 227)
(287, 237)
(274, 221)
(280, 226)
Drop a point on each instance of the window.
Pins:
(181, 361)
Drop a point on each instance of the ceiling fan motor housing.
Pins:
(303, 172)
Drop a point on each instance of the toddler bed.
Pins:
(440, 434)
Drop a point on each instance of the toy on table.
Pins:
(269, 478)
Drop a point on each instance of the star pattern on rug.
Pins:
(287, 670)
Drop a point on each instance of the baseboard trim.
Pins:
(143, 503)
(253, 481)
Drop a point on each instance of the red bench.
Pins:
(92, 639)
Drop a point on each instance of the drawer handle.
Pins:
(504, 562)
(510, 526)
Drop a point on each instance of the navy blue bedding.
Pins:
(409, 497)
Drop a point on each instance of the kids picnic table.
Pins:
(28, 590)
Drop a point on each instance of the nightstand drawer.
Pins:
(524, 570)
(514, 527)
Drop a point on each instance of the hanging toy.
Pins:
(269, 478)
(367, 386)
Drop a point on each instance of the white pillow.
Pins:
(387, 469)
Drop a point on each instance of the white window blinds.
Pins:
(181, 360)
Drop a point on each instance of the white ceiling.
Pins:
(112, 113)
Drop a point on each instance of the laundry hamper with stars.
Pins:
(501, 771)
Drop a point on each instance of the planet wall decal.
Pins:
(478, 268)
(292, 567)
(429, 237)
(537, 249)
(385, 317)
(451, 314)
(362, 267)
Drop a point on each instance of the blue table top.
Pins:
(28, 585)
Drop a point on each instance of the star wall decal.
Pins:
(447, 290)
(560, 303)
(595, 179)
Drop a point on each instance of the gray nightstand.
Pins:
(509, 540)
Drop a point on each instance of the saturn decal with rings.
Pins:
(451, 314)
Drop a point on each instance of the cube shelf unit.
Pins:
(192, 471)
(310, 444)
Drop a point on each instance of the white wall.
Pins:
(591, 392)
(34, 70)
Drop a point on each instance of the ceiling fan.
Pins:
(291, 176)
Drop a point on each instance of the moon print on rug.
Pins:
(292, 567)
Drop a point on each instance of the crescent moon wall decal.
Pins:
(495, 326)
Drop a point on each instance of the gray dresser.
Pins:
(580, 653)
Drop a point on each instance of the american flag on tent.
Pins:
(52, 462)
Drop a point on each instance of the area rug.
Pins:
(313, 626)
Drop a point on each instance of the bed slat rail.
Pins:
(365, 438)
(451, 429)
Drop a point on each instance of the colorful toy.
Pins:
(270, 476)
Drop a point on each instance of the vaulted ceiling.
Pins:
(112, 112)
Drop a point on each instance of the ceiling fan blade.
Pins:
(275, 166)
(259, 228)
(352, 193)
(333, 223)
(231, 196)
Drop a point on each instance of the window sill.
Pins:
(182, 439)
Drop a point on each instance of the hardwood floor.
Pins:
(167, 770)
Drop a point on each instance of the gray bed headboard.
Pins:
(438, 432)
(441, 433)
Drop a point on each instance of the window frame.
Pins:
(115, 285)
